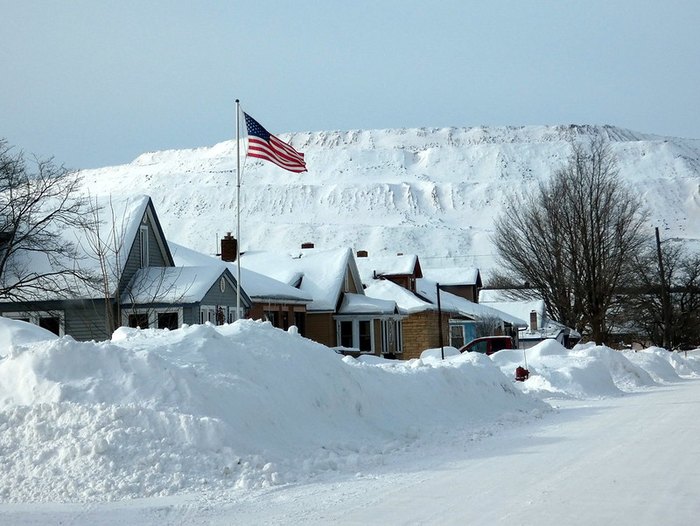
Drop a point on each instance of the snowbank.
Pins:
(20, 332)
(590, 371)
(239, 406)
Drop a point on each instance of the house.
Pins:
(428, 322)
(132, 279)
(339, 314)
(270, 300)
(402, 269)
(539, 327)
(460, 281)
(470, 320)
(422, 325)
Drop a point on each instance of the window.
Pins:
(167, 320)
(392, 337)
(143, 245)
(300, 322)
(271, 316)
(216, 315)
(457, 336)
(139, 320)
(345, 334)
(207, 314)
(356, 334)
(161, 318)
(365, 335)
(481, 347)
(51, 321)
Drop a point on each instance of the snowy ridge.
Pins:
(429, 191)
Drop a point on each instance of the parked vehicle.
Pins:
(489, 344)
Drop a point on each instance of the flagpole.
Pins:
(238, 210)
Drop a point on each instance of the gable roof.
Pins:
(173, 284)
(428, 290)
(546, 327)
(362, 304)
(256, 286)
(454, 276)
(406, 301)
(113, 231)
(320, 274)
(384, 266)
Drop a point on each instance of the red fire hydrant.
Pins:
(521, 374)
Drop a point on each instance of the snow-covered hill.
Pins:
(433, 192)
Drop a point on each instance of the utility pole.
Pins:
(442, 346)
(665, 296)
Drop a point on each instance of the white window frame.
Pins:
(35, 316)
(356, 332)
(210, 310)
(398, 335)
(143, 246)
(152, 315)
(459, 326)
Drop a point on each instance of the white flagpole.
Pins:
(238, 210)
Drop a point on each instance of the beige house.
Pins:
(339, 314)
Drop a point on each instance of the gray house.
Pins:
(133, 280)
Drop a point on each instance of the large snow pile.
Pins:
(591, 371)
(239, 406)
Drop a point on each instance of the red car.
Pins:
(489, 344)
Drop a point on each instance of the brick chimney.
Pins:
(362, 254)
(533, 321)
(307, 245)
(229, 247)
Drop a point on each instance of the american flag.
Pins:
(263, 145)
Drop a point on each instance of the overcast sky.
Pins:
(96, 83)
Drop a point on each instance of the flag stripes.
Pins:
(263, 145)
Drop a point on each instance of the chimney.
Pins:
(533, 321)
(229, 247)
(307, 245)
(362, 254)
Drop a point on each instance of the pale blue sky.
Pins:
(95, 83)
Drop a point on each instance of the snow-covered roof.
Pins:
(362, 304)
(116, 220)
(371, 267)
(406, 301)
(546, 327)
(171, 284)
(428, 289)
(522, 309)
(322, 272)
(453, 276)
(257, 286)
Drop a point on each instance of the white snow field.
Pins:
(248, 424)
(433, 192)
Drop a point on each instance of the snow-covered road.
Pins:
(632, 460)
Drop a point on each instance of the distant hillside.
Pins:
(433, 192)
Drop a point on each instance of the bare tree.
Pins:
(644, 301)
(38, 200)
(488, 326)
(106, 244)
(572, 237)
